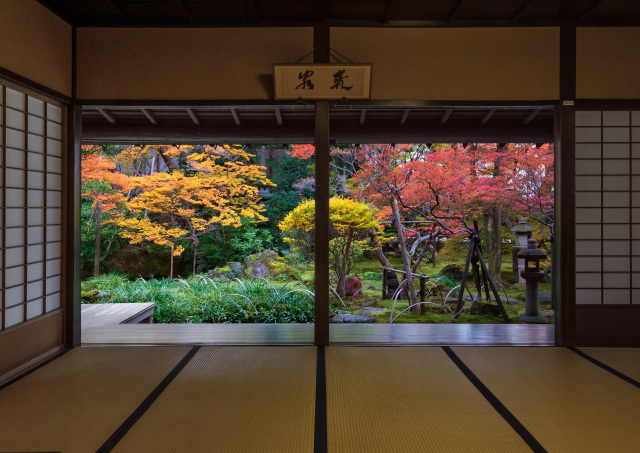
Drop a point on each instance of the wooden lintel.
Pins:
(590, 9)
(150, 117)
(236, 117)
(405, 115)
(108, 116)
(278, 117)
(445, 116)
(455, 11)
(387, 15)
(516, 17)
(487, 116)
(193, 117)
(187, 11)
(123, 14)
(363, 116)
(531, 115)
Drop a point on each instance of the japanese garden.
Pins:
(225, 233)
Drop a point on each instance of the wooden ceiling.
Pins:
(271, 13)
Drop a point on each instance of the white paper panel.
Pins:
(588, 280)
(616, 199)
(588, 199)
(35, 308)
(54, 130)
(14, 276)
(36, 180)
(588, 183)
(35, 106)
(588, 247)
(54, 164)
(54, 147)
(54, 199)
(35, 198)
(588, 118)
(53, 250)
(54, 113)
(616, 150)
(35, 161)
(54, 233)
(35, 216)
(588, 231)
(588, 151)
(616, 296)
(615, 248)
(617, 280)
(14, 158)
(588, 167)
(54, 216)
(635, 118)
(53, 267)
(54, 181)
(35, 125)
(615, 215)
(53, 302)
(35, 289)
(13, 316)
(588, 215)
(615, 134)
(15, 99)
(35, 235)
(14, 237)
(588, 296)
(588, 264)
(616, 183)
(35, 253)
(14, 217)
(13, 296)
(53, 284)
(15, 178)
(588, 135)
(616, 232)
(15, 198)
(617, 264)
(14, 139)
(14, 119)
(35, 143)
(616, 118)
(14, 256)
(35, 271)
(615, 167)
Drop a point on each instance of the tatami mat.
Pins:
(76, 402)
(411, 399)
(624, 360)
(233, 399)
(566, 402)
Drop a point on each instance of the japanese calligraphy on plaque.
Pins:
(322, 81)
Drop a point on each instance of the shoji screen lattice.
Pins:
(31, 135)
(607, 207)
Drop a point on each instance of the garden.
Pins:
(225, 234)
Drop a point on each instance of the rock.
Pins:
(545, 296)
(506, 300)
(549, 314)
(266, 264)
(484, 308)
(353, 287)
(534, 319)
(369, 310)
(354, 319)
(236, 270)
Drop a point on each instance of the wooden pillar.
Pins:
(322, 159)
(564, 246)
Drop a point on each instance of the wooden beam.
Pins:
(150, 117)
(405, 115)
(487, 116)
(187, 11)
(445, 116)
(455, 11)
(387, 15)
(278, 117)
(531, 115)
(193, 117)
(236, 117)
(123, 14)
(363, 116)
(108, 116)
(516, 17)
(590, 9)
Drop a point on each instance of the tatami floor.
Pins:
(336, 399)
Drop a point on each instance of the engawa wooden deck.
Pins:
(297, 334)
(99, 315)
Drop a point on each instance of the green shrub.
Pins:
(371, 276)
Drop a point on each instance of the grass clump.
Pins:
(199, 299)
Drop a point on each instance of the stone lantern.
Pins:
(532, 274)
(523, 233)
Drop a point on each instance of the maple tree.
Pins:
(350, 224)
(219, 190)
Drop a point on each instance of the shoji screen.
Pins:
(31, 144)
(607, 207)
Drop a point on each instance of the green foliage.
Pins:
(202, 300)
(372, 276)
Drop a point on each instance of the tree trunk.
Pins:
(171, 266)
(195, 254)
(169, 162)
(406, 258)
(494, 243)
(96, 259)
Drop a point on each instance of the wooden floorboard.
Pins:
(98, 315)
(297, 334)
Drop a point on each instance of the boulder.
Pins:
(353, 287)
(354, 319)
(266, 264)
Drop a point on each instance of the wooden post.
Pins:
(423, 294)
(384, 283)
